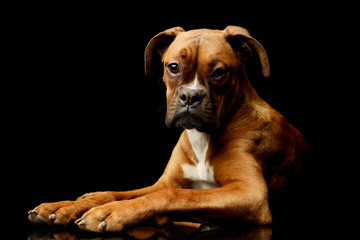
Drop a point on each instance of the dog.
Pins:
(235, 149)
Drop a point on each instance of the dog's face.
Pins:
(199, 69)
(203, 75)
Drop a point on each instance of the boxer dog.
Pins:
(234, 152)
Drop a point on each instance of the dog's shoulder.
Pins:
(269, 132)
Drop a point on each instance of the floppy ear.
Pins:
(159, 43)
(239, 35)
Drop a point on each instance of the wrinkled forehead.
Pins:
(202, 46)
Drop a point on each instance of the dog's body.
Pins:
(234, 152)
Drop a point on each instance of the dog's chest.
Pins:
(201, 173)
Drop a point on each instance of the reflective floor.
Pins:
(174, 232)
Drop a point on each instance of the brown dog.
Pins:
(234, 152)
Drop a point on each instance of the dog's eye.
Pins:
(219, 73)
(173, 68)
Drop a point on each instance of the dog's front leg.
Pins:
(231, 201)
(65, 212)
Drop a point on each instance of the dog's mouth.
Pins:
(188, 120)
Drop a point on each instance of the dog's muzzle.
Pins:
(191, 109)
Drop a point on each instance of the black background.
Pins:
(83, 117)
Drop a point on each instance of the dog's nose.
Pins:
(190, 97)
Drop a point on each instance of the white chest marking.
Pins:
(201, 173)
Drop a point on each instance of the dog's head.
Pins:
(203, 73)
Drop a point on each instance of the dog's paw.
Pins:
(102, 218)
(57, 213)
(111, 217)
(64, 212)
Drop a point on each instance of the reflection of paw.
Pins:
(56, 235)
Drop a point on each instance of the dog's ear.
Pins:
(240, 37)
(160, 44)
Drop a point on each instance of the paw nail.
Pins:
(52, 216)
(102, 224)
(77, 221)
(33, 211)
(81, 222)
